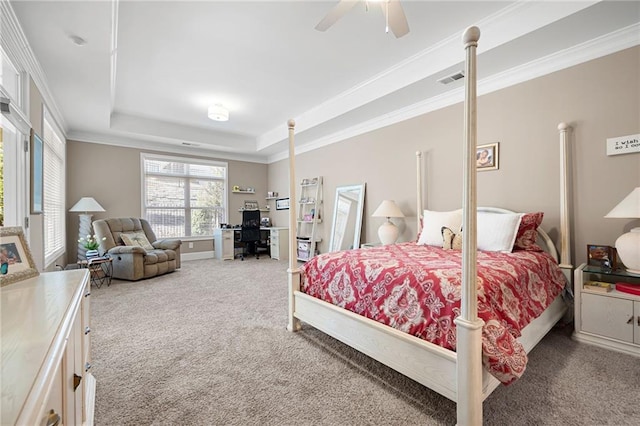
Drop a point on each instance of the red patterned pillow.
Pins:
(527, 232)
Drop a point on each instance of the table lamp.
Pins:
(86, 205)
(388, 232)
(628, 245)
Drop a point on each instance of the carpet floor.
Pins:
(208, 345)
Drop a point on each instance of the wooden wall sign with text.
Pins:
(623, 145)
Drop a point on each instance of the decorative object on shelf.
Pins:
(598, 286)
(85, 206)
(602, 256)
(235, 188)
(251, 205)
(272, 194)
(282, 204)
(37, 181)
(628, 288)
(388, 232)
(16, 262)
(487, 157)
(628, 245)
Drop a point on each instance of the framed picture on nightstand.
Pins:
(602, 256)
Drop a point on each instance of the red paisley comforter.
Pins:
(416, 289)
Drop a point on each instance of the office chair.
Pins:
(249, 233)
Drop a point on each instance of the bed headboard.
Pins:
(543, 240)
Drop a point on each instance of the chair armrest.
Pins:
(127, 250)
(170, 244)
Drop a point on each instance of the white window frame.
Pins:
(187, 160)
(54, 210)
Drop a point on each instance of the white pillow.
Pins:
(432, 223)
(497, 231)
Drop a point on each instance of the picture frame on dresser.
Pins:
(602, 256)
(16, 261)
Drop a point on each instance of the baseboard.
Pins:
(197, 255)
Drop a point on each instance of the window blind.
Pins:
(183, 197)
(53, 189)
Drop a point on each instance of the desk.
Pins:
(278, 238)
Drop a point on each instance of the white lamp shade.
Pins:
(86, 205)
(628, 245)
(629, 208)
(388, 208)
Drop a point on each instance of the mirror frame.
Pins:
(360, 212)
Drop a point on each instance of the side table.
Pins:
(100, 270)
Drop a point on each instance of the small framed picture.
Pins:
(250, 204)
(487, 157)
(282, 204)
(16, 262)
(603, 256)
(37, 173)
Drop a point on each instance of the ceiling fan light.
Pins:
(218, 113)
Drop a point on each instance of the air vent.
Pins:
(451, 78)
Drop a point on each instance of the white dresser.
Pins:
(46, 347)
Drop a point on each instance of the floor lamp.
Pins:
(85, 207)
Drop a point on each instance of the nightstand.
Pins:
(607, 319)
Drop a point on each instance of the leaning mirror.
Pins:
(347, 217)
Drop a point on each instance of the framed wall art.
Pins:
(282, 204)
(16, 262)
(487, 156)
(37, 181)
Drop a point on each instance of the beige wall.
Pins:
(599, 99)
(111, 175)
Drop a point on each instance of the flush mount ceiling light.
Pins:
(218, 113)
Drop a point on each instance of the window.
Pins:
(183, 197)
(53, 188)
(10, 78)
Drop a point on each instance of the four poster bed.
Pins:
(398, 303)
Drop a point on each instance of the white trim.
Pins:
(605, 45)
(15, 41)
(198, 255)
(127, 142)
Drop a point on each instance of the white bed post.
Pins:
(565, 230)
(469, 326)
(293, 324)
(419, 207)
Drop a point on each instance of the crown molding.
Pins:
(501, 27)
(601, 46)
(16, 43)
(161, 146)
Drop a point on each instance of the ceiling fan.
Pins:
(396, 21)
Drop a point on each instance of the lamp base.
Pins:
(628, 247)
(388, 233)
(83, 231)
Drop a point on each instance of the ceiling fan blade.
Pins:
(338, 11)
(397, 19)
